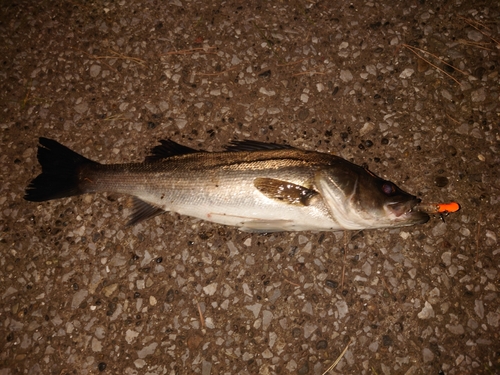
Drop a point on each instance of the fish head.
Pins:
(358, 199)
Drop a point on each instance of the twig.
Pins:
(436, 57)
(452, 119)
(215, 74)
(124, 57)
(413, 49)
(332, 366)
(471, 22)
(473, 44)
(289, 282)
(202, 320)
(188, 51)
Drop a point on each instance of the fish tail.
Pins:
(61, 171)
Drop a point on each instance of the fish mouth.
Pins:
(407, 212)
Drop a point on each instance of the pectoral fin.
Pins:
(284, 191)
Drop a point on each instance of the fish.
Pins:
(252, 185)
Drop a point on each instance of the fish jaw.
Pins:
(405, 214)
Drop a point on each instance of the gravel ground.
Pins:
(81, 293)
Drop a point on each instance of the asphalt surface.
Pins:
(410, 90)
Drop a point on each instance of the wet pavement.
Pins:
(411, 91)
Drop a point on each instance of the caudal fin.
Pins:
(60, 172)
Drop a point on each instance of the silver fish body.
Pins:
(255, 186)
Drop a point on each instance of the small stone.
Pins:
(140, 363)
(342, 308)
(427, 355)
(321, 345)
(407, 73)
(439, 229)
(304, 369)
(296, 332)
(479, 308)
(367, 127)
(456, 329)
(474, 35)
(303, 114)
(493, 318)
(304, 98)
(255, 309)
(267, 317)
(427, 312)
(206, 368)
(78, 298)
(331, 284)
(373, 346)
(95, 70)
(209, 323)
(441, 181)
(267, 354)
(147, 350)
(346, 75)
(478, 95)
(130, 336)
(101, 366)
(96, 345)
(109, 289)
(82, 107)
(309, 328)
(386, 340)
(210, 289)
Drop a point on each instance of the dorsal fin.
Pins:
(168, 149)
(249, 145)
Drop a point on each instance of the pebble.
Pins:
(474, 35)
(407, 73)
(478, 95)
(303, 114)
(441, 181)
(479, 308)
(206, 368)
(267, 317)
(130, 336)
(147, 350)
(210, 289)
(456, 329)
(427, 355)
(342, 308)
(346, 75)
(95, 70)
(78, 298)
(255, 309)
(427, 312)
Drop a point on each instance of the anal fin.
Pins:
(143, 211)
(284, 191)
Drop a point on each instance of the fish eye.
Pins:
(388, 188)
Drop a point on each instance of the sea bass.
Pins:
(255, 186)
